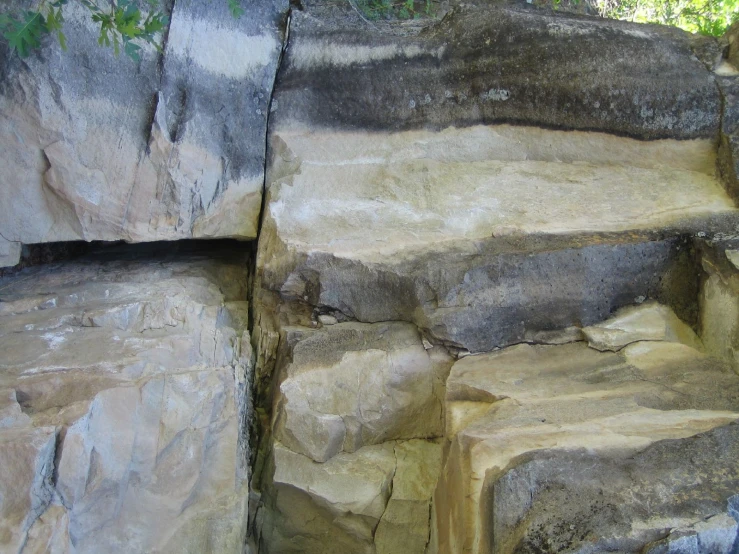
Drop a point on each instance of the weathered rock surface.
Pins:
(171, 147)
(719, 304)
(349, 470)
(489, 64)
(376, 499)
(123, 407)
(472, 173)
(471, 186)
(567, 448)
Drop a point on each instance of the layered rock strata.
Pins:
(123, 407)
(526, 187)
(494, 308)
(412, 138)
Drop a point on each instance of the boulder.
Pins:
(123, 406)
(166, 148)
(351, 385)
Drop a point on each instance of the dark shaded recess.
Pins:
(568, 500)
(484, 300)
(641, 81)
(101, 251)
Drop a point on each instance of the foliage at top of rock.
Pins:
(124, 24)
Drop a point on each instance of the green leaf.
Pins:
(235, 7)
(24, 35)
(132, 51)
(62, 40)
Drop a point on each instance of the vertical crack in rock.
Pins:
(390, 492)
(270, 108)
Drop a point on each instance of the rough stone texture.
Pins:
(718, 533)
(27, 461)
(491, 64)
(565, 448)
(719, 304)
(123, 407)
(171, 147)
(458, 199)
(405, 525)
(504, 176)
(349, 470)
(376, 499)
(475, 297)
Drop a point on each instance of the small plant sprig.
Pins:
(24, 31)
(395, 9)
(123, 26)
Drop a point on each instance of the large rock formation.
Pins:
(494, 308)
(469, 221)
(123, 406)
(505, 176)
(167, 148)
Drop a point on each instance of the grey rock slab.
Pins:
(489, 64)
(171, 147)
(474, 296)
(718, 533)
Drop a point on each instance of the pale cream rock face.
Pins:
(720, 319)
(376, 499)
(646, 322)
(405, 527)
(139, 369)
(415, 189)
(175, 437)
(366, 397)
(351, 384)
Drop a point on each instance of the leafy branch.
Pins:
(123, 26)
(395, 9)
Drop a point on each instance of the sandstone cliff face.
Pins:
(494, 305)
